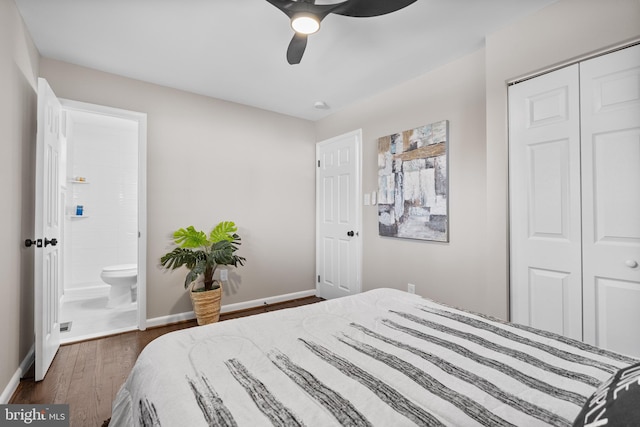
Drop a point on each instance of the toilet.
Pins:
(123, 280)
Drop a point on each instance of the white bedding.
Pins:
(384, 358)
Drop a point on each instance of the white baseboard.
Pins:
(15, 379)
(270, 300)
(172, 318)
(180, 317)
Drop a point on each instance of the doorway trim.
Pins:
(141, 119)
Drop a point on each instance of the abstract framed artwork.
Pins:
(413, 185)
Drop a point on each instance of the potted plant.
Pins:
(202, 254)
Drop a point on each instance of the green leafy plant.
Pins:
(202, 254)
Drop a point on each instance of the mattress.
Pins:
(380, 358)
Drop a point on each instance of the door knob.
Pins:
(51, 242)
(350, 233)
(631, 263)
(28, 243)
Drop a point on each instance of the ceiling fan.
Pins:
(306, 16)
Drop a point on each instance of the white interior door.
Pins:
(338, 216)
(47, 229)
(544, 194)
(610, 98)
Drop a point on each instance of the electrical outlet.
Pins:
(411, 288)
(224, 274)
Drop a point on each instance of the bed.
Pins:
(383, 358)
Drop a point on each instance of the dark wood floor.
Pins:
(87, 375)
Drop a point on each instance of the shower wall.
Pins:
(102, 178)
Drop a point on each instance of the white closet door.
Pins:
(544, 193)
(610, 98)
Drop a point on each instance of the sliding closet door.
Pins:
(610, 98)
(544, 181)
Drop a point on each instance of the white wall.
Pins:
(472, 270)
(209, 160)
(18, 74)
(107, 232)
(446, 272)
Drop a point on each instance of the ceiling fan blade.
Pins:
(367, 8)
(291, 8)
(296, 48)
(287, 6)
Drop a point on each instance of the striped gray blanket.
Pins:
(381, 358)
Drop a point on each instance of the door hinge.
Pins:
(318, 278)
(318, 163)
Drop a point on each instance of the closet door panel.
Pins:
(610, 127)
(544, 192)
(548, 293)
(615, 172)
(617, 315)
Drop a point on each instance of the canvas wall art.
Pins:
(413, 185)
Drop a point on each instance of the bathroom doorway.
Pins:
(103, 193)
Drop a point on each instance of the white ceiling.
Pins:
(236, 49)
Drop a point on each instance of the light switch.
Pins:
(367, 199)
(373, 197)
(224, 274)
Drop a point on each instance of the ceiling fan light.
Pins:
(305, 23)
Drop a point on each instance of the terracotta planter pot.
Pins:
(206, 305)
